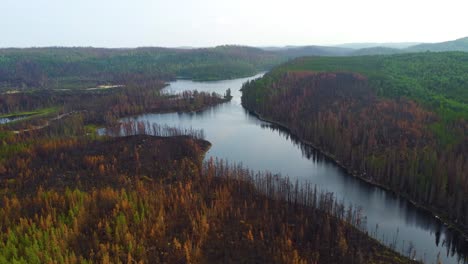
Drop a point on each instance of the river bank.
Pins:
(437, 215)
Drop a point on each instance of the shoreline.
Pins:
(444, 220)
(169, 111)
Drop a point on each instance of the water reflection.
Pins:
(242, 138)
(454, 243)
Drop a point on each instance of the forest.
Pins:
(397, 121)
(63, 68)
(71, 68)
(142, 193)
(237, 132)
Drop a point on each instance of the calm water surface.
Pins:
(242, 138)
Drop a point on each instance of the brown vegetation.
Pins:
(149, 199)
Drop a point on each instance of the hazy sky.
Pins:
(131, 23)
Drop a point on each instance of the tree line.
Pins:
(59, 68)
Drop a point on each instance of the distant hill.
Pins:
(393, 45)
(356, 49)
(376, 51)
(454, 45)
(65, 67)
(300, 51)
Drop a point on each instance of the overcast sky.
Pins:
(132, 23)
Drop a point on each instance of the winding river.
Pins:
(242, 138)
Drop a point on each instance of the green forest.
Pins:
(81, 67)
(398, 121)
(436, 80)
(71, 68)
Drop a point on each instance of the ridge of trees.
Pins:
(69, 68)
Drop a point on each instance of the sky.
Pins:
(203, 23)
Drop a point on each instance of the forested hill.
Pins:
(65, 68)
(300, 51)
(399, 121)
(454, 45)
(436, 80)
(71, 67)
(359, 49)
(376, 51)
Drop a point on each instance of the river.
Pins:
(240, 137)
